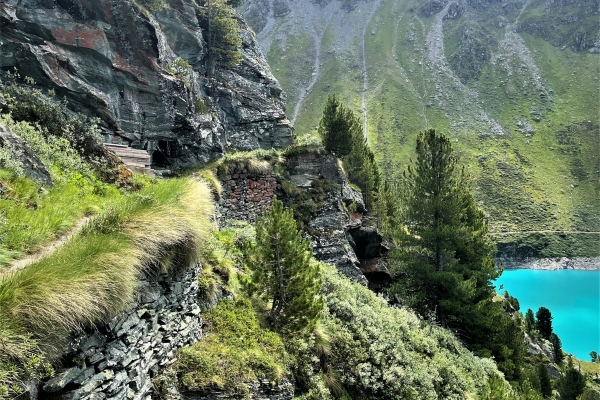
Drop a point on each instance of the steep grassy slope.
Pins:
(515, 84)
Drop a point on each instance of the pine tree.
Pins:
(223, 33)
(543, 322)
(284, 273)
(444, 257)
(572, 383)
(545, 385)
(529, 321)
(556, 348)
(338, 126)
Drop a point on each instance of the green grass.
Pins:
(236, 351)
(94, 275)
(34, 217)
(544, 182)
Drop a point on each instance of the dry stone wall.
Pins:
(246, 195)
(117, 360)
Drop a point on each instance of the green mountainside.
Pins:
(515, 84)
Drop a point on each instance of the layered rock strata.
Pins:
(119, 359)
(112, 59)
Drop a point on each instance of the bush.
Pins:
(377, 351)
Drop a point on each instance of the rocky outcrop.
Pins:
(337, 237)
(119, 358)
(111, 59)
(22, 154)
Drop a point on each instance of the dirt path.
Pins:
(45, 251)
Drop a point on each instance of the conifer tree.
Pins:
(223, 33)
(556, 348)
(543, 322)
(544, 376)
(284, 273)
(444, 256)
(572, 383)
(338, 126)
(529, 321)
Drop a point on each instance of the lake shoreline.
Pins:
(550, 264)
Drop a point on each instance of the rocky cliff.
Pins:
(112, 59)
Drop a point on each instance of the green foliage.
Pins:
(529, 321)
(556, 348)
(20, 360)
(544, 377)
(201, 106)
(370, 350)
(543, 322)
(33, 216)
(235, 351)
(362, 168)
(95, 273)
(589, 394)
(338, 127)
(443, 256)
(306, 203)
(594, 356)
(56, 123)
(180, 68)
(572, 382)
(235, 3)
(55, 152)
(283, 272)
(223, 34)
(154, 5)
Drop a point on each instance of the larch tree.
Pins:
(283, 272)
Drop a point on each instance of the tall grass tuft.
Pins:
(94, 276)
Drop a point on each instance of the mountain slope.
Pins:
(515, 83)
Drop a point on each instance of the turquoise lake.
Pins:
(573, 298)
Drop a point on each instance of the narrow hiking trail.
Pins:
(44, 251)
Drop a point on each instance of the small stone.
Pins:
(62, 379)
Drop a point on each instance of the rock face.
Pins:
(119, 358)
(111, 58)
(30, 163)
(336, 237)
